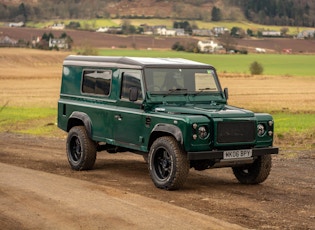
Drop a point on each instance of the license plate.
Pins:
(234, 154)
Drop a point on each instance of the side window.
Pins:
(96, 82)
(131, 80)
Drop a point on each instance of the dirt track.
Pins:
(38, 200)
(284, 201)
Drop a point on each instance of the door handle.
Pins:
(118, 117)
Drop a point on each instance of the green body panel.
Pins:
(136, 124)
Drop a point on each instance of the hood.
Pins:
(211, 111)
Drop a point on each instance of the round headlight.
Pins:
(260, 130)
(202, 132)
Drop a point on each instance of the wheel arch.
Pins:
(161, 129)
(80, 118)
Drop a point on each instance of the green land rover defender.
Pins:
(172, 111)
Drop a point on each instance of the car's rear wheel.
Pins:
(81, 150)
(254, 173)
(168, 163)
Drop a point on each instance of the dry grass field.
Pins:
(272, 93)
(31, 78)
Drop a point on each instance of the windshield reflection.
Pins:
(180, 80)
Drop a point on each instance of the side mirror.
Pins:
(133, 94)
(226, 93)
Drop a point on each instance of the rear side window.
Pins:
(97, 82)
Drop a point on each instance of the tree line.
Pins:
(278, 12)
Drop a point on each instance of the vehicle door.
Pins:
(129, 116)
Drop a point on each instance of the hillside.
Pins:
(48, 9)
(269, 12)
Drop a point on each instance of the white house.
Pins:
(306, 34)
(16, 24)
(208, 46)
(271, 33)
(103, 29)
(165, 32)
(219, 30)
(58, 26)
(202, 32)
(180, 32)
(59, 43)
(260, 50)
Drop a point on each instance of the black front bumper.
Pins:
(218, 154)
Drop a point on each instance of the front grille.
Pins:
(236, 131)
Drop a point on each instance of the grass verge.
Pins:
(294, 130)
(36, 121)
(291, 130)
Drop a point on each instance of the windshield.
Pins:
(159, 80)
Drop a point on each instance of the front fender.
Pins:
(170, 129)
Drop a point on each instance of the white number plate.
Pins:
(234, 154)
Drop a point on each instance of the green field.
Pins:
(274, 64)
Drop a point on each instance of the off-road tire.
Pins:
(81, 150)
(168, 163)
(254, 173)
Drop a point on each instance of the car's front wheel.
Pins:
(254, 173)
(81, 150)
(168, 163)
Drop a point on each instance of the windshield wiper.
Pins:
(174, 90)
(203, 89)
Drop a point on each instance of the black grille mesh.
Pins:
(236, 131)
